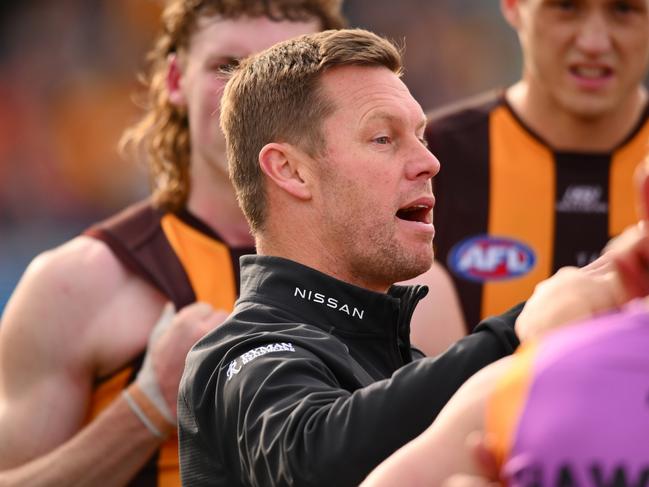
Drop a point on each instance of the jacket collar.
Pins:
(319, 299)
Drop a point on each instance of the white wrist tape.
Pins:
(146, 378)
(147, 412)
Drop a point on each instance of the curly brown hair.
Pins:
(162, 135)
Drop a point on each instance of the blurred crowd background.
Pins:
(68, 76)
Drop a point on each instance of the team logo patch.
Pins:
(484, 258)
(237, 364)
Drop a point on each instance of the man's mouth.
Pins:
(420, 212)
(591, 72)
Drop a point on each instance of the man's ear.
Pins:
(285, 165)
(511, 12)
(174, 81)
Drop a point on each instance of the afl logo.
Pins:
(484, 258)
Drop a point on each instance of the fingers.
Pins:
(164, 321)
(197, 311)
(632, 263)
(212, 321)
(201, 318)
(165, 358)
(603, 264)
(570, 295)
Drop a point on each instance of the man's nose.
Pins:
(594, 36)
(424, 164)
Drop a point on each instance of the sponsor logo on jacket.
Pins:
(329, 302)
(237, 364)
(484, 258)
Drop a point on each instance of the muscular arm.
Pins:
(76, 315)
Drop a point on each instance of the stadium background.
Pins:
(68, 74)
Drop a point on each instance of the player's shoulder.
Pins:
(77, 261)
(82, 289)
(465, 112)
(82, 274)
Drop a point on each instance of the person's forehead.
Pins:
(245, 35)
(371, 93)
(591, 3)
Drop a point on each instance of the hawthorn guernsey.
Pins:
(330, 302)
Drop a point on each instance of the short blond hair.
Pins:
(162, 135)
(275, 96)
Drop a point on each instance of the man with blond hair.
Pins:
(88, 381)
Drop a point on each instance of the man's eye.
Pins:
(564, 5)
(384, 139)
(227, 66)
(622, 7)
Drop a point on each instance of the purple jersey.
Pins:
(574, 409)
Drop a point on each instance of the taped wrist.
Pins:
(146, 378)
(148, 412)
(148, 385)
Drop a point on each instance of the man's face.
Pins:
(584, 57)
(217, 44)
(374, 193)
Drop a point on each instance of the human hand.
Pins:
(628, 254)
(169, 342)
(620, 274)
(569, 295)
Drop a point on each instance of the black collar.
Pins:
(319, 299)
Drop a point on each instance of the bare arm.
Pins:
(438, 321)
(570, 295)
(75, 316)
(441, 450)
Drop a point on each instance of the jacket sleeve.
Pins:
(285, 418)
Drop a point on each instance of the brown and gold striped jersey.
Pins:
(186, 261)
(510, 210)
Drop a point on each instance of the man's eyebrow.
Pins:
(380, 115)
(383, 115)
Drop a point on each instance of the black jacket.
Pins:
(312, 381)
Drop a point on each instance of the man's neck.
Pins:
(565, 131)
(212, 199)
(313, 254)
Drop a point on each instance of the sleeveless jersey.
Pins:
(510, 211)
(186, 261)
(574, 409)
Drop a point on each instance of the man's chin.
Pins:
(415, 268)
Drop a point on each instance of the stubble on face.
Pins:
(368, 247)
(371, 167)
